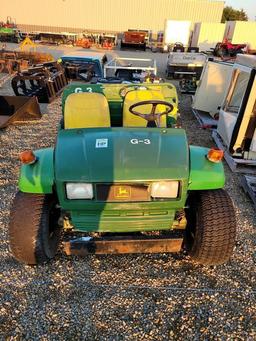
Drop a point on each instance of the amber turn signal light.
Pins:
(215, 155)
(28, 157)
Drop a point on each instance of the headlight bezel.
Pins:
(76, 186)
(158, 187)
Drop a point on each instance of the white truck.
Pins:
(175, 31)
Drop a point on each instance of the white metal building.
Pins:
(107, 15)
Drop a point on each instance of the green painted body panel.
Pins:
(39, 177)
(204, 174)
(115, 99)
(6, 30)
(89, 215)
(122, 162)
(123, 221)
(132, 154)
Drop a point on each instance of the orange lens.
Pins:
(27, 157)
(215, 155)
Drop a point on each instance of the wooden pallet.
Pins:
(249, 185)
(236, 165)
(204, 119)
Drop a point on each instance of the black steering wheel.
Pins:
(152, 116)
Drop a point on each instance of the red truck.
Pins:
(134, 39)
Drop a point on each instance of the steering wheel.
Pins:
(152, 116)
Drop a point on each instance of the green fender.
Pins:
(39, 177)
(204, 174)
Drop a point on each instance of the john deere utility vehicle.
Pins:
(122, 179)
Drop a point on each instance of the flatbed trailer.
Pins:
(57, 38)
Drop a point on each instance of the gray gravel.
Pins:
(132, 297)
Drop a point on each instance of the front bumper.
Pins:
(116, 245)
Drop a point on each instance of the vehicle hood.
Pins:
(121, 154)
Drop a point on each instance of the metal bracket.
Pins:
(87, 245)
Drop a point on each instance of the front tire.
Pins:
(211, 230)
(33, 229)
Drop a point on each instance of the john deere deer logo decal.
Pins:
(122, 192)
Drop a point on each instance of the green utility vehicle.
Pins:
(122, 179)
(8, 34)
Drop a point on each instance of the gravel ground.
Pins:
(131, 297)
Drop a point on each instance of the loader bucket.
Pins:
(14, 110)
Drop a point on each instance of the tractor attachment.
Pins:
(79, 72)
(17, 61)
(45, 81)
(84, 42)
(121, 245)
(15, 109)
(10, 64)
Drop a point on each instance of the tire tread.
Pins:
(216, 228)
(27, 218)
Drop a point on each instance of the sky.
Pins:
(248, 5)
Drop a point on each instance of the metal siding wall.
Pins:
(111, 15)
(210, 34)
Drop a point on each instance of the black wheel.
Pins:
(34, 232)
(211, 230)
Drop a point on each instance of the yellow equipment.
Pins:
(86, 110)
(135, 96)
(27, 42)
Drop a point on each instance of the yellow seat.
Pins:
(132, 97)
(86, 110)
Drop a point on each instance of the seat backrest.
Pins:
(86, 110)
(136, 96)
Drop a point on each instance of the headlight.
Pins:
(165, 189)
(79, 191)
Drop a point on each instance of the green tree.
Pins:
(229, 14)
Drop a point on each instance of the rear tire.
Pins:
(33, 229)
(211, 230)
